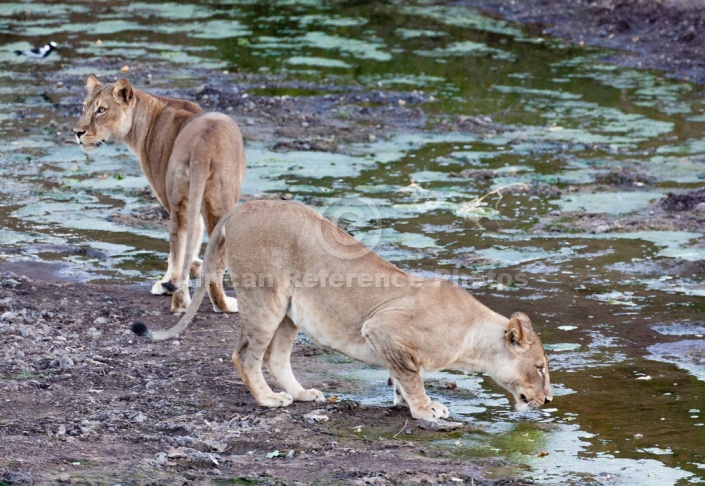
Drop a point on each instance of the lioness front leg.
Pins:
(278, 360)
(413, 395)
(404, 366)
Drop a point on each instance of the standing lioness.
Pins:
(194, 162)
(295, 270)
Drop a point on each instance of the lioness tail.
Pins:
(215, 245)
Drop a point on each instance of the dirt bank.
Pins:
(85, 402)
(667, 35)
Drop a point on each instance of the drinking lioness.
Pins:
(293, 270)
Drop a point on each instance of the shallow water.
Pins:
(624, 336)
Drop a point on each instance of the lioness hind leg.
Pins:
(216, 292)
(278, 361)
(196, 267)
(163, 286)
(220, 301)
(197, 263)
(249, 355)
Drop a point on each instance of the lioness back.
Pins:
(334, 284)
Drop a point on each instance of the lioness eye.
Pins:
(540, 370)
(101, 110)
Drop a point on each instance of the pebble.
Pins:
(66, 363)
(438, 424)
(99, 321)
(161, 459)
(10, 316)
(10, 282)
(316, 416)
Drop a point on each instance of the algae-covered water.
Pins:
(620, 311)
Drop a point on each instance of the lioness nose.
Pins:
(546, 400)
(78, 132)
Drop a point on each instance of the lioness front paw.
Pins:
(231, 306)
(281, 399)
(310, 395)
(433, 411)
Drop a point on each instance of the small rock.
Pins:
(175, 453)
(10, 316)
(439, 425)
(316, 416)
(66, 363)
(603, 228)
(10, 282)
(161, 459)
(100, 321)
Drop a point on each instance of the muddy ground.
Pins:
(82, 401)
(666, 35)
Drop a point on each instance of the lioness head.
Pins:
(107, 112)
(526, 374)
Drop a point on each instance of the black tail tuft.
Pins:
(139, 329)
(169, 286)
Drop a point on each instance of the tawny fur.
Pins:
(194, 162)
(295, 270)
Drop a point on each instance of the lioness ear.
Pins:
(524, 319)
(122, 91)
(516, 335)
(92, 83)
